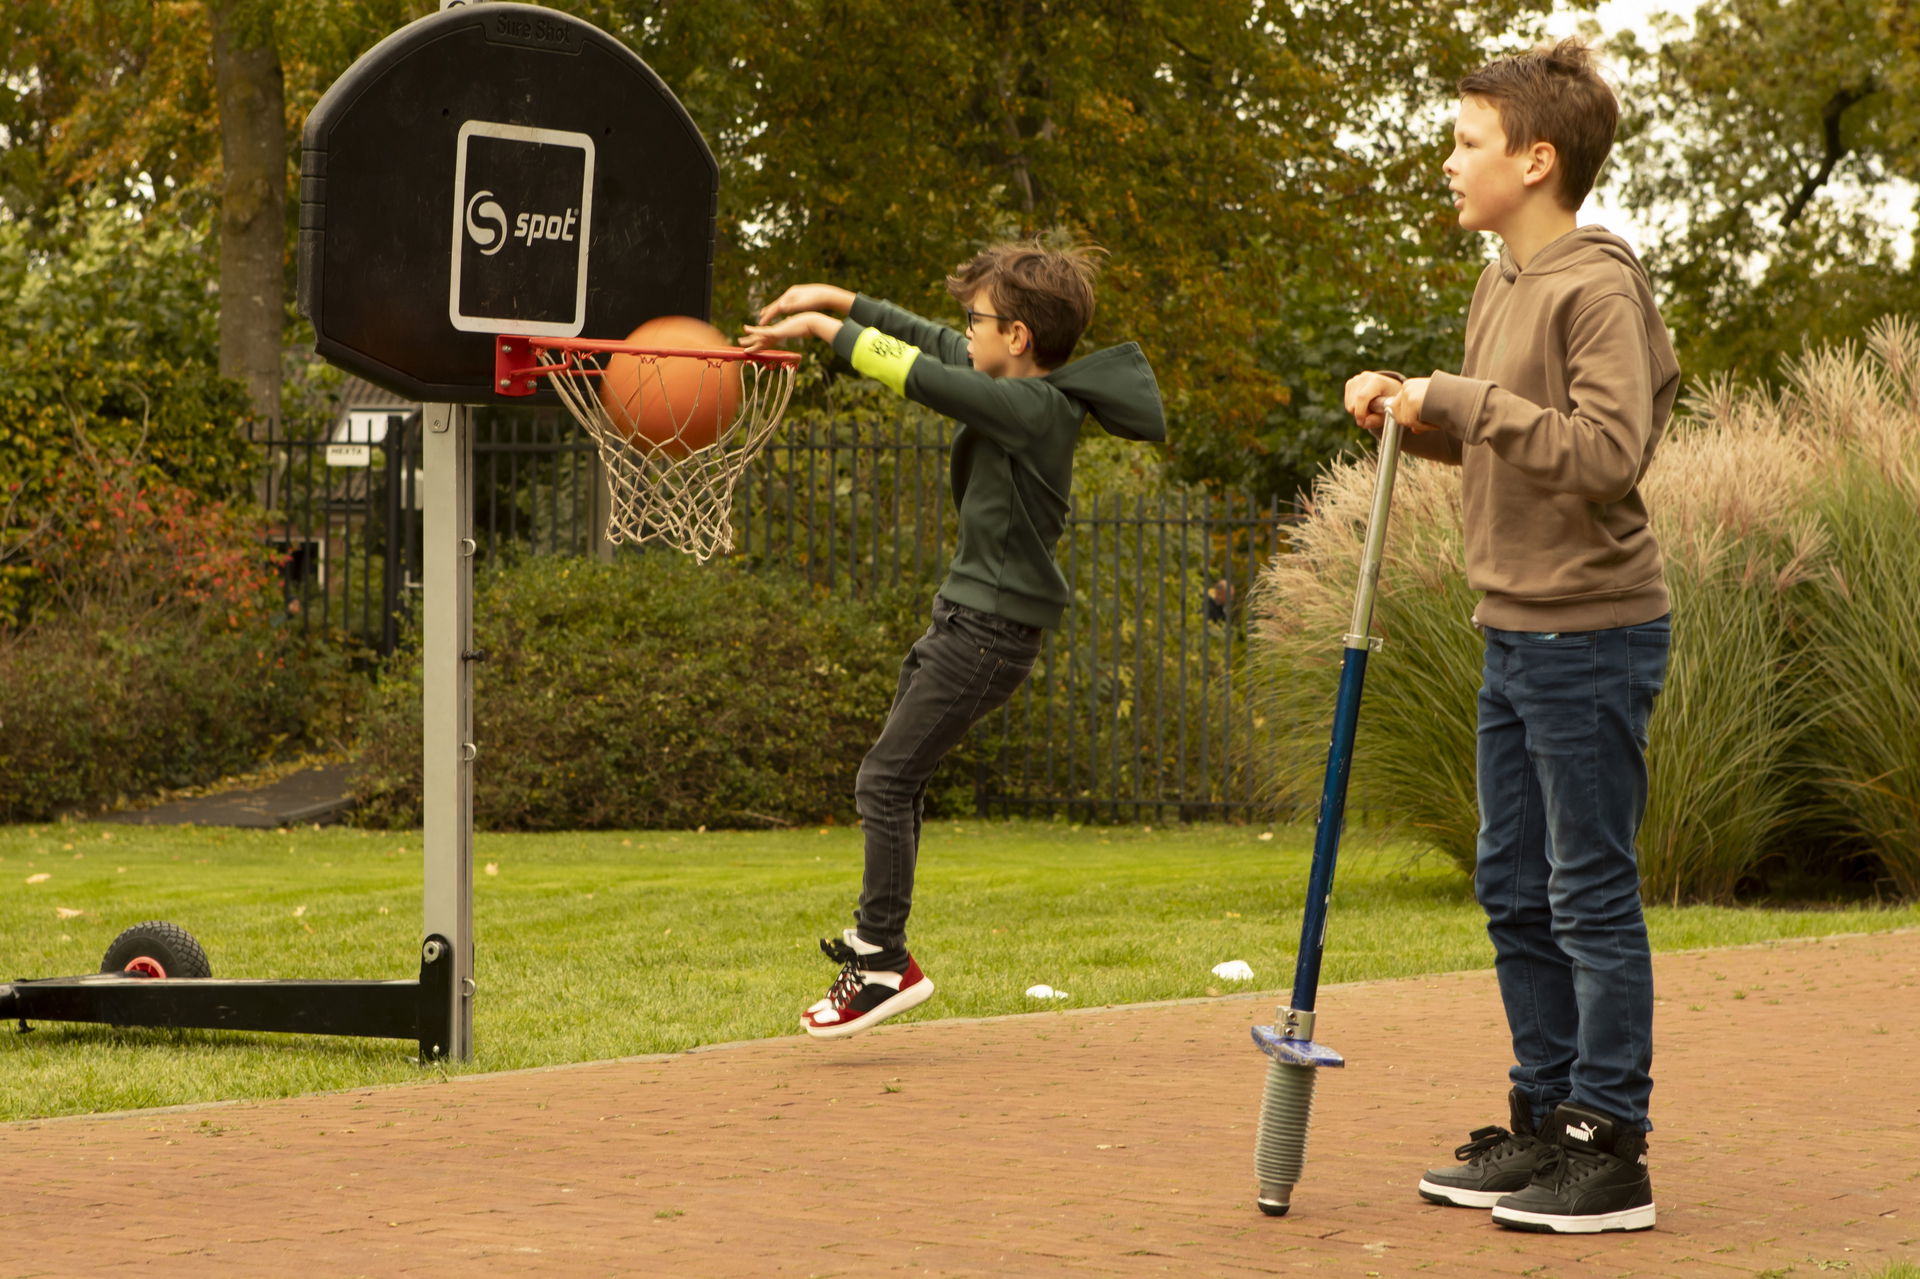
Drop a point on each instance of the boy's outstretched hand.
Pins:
(808, 297)
(807, 324)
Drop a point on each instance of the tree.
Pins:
(1759, 143)
(253, 197)
(107, 100)
(1265, 175)
(179, 114)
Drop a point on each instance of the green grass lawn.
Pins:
(604, 945)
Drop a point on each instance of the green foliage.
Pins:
(106, 389)
(1263, 175)
(653, 692)
(1257, 172)
(1783, 743)
(104, 278)
(1315, 354)
(137, 645)
(114, 97)
(1760, 144)
(179, 419)
(100, 705)
(112, 537)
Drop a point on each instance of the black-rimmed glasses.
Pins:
(983, 315)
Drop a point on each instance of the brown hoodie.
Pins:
(1568, 382)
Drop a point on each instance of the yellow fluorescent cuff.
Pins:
(884, 359)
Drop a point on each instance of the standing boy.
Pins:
(1019, 405)
(1568, 380)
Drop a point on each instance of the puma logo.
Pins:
(1581, 1132)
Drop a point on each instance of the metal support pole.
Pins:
(447, 675)
(602, 511)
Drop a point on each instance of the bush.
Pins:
(1783, 744)
(148, 652)
(106, 360)
(101, 705)
(1859, 755)
(1727, 493)
(654, 692)
(1414, 753)
(72, 428)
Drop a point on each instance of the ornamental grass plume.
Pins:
(1859, 616)
(1414, 752)
(1727, 492)
(1786, 742)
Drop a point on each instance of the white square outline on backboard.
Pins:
(503, 324)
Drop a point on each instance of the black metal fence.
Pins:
(346, 509)
(1138, 705)
(1137, 708)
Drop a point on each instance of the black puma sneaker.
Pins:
(1495, 1162)
(1593, 1179)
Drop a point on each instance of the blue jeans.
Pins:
(1563, 787)
(966, 665)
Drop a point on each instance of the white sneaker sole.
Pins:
(1640, 1218)
(912, 997)
(1459, 1197)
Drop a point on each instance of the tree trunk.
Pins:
(253, 150)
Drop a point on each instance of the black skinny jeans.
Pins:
(966, 665)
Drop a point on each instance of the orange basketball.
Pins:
(673, 404)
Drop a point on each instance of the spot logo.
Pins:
(522, 228)
(487, 224)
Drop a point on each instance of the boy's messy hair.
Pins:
(1553, 94)
(1046, 286)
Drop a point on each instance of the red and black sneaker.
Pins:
(861, 998)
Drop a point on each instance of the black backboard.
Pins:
(496, 168)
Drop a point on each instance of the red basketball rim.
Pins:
(518, 360)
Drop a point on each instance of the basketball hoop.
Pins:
(678, 437)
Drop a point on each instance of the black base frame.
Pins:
(420, 1010)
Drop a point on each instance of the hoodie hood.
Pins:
(1118, 387)
(1579, 247)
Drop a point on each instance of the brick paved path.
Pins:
(1107, 1142)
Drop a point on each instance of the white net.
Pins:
(675, 432)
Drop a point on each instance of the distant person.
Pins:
(1568, 380)
(1019, 403)
(1218, 599)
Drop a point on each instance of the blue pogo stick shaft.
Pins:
(1346, 717)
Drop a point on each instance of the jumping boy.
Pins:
(1019, 402)
(1567, 383)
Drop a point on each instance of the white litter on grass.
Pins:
(1233, 970)
(1045, 992)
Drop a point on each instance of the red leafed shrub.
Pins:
(111, 535)
(142, 644)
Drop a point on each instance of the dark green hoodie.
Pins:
(1012, 469)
